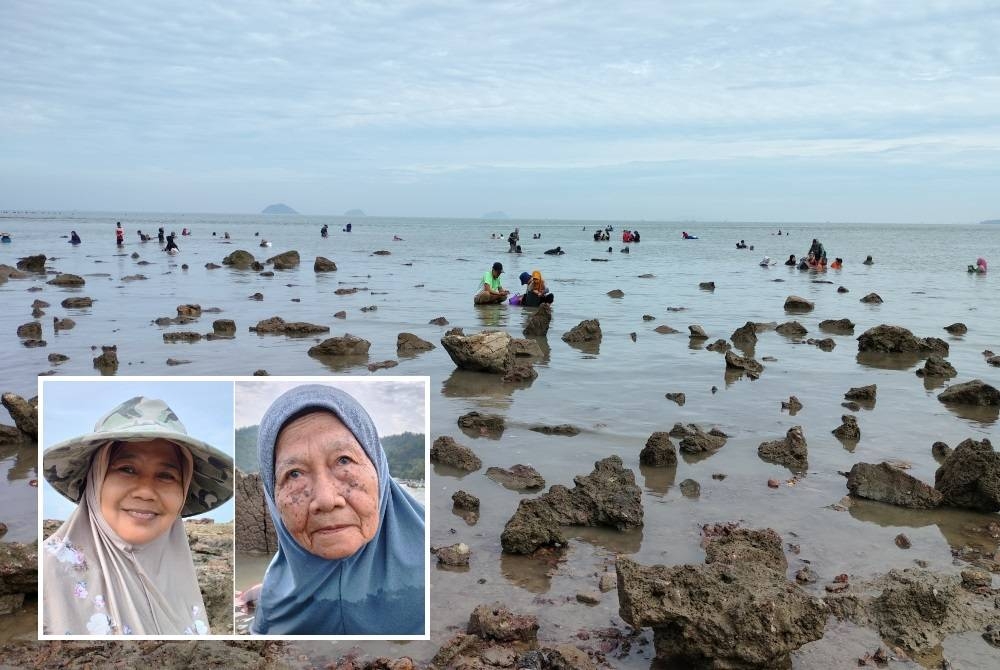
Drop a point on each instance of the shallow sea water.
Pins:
(614, 394)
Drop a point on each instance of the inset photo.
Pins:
(136, 507)
(331, 527)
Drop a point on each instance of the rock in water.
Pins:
(873, 299)
(837, 326)
(348, 345)
(408, 344)
(608, 496)
(887, 484)
(284, 261)
(239, 259)
(863, 393)
(848, 430)
(791, 329)
(659, 451)
(323, 264)
(970, 477)
(898, 340)
(975, 392)
(750, 365)
(488, 351)
(517, 478)
(23, 412)
(585, 331)
(448, 452)
(482, 424)
(794, 303)
(538, 323)
(745, 337)
(792, 452)
(699, 612)
(697, 332)
(935, 366)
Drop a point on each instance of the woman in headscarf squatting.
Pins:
(121, 564)
(351, 553)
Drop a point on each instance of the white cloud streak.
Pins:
(418, 89)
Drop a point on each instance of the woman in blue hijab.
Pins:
(351, 552)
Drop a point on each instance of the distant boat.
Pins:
(5, 238)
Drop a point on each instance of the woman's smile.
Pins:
(142, 493)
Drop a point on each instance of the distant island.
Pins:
(280, 208)
(990, 221)
(354, 212)
(495, 215)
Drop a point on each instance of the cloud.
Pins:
(422, 90)
(396, 406)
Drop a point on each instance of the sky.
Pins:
(70, 409)
(396, 405)
(710, 110)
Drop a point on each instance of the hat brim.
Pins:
(65, 466)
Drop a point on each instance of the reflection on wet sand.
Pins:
(618, 541)
(493, 316)
(341, 363)
(881, 361)
(593, 347)
(543, 345)
(733, 375)
(442, 470)
(960, 528)
(985, 415)
(848, 444)
(932, 383)
(532, 573)
(24, 458)
(478, 385)
(658, 480)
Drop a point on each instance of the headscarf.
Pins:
(95, 583)
(379, 590)
(537, 283)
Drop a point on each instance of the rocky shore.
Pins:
(751, 601)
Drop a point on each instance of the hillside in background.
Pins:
(279, 208)
(404, 451)
(246, 449)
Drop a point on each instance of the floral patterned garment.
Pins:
(154, 591)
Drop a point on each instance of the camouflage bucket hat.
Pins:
(65, 465)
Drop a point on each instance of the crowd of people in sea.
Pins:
(491, 291)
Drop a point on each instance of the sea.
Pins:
(613, 393)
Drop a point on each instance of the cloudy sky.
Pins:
(711, 110)
(395, 404)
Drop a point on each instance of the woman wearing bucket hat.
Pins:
(121, 564)
(351, 552)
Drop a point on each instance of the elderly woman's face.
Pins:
(325, 486)
(143, 491)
